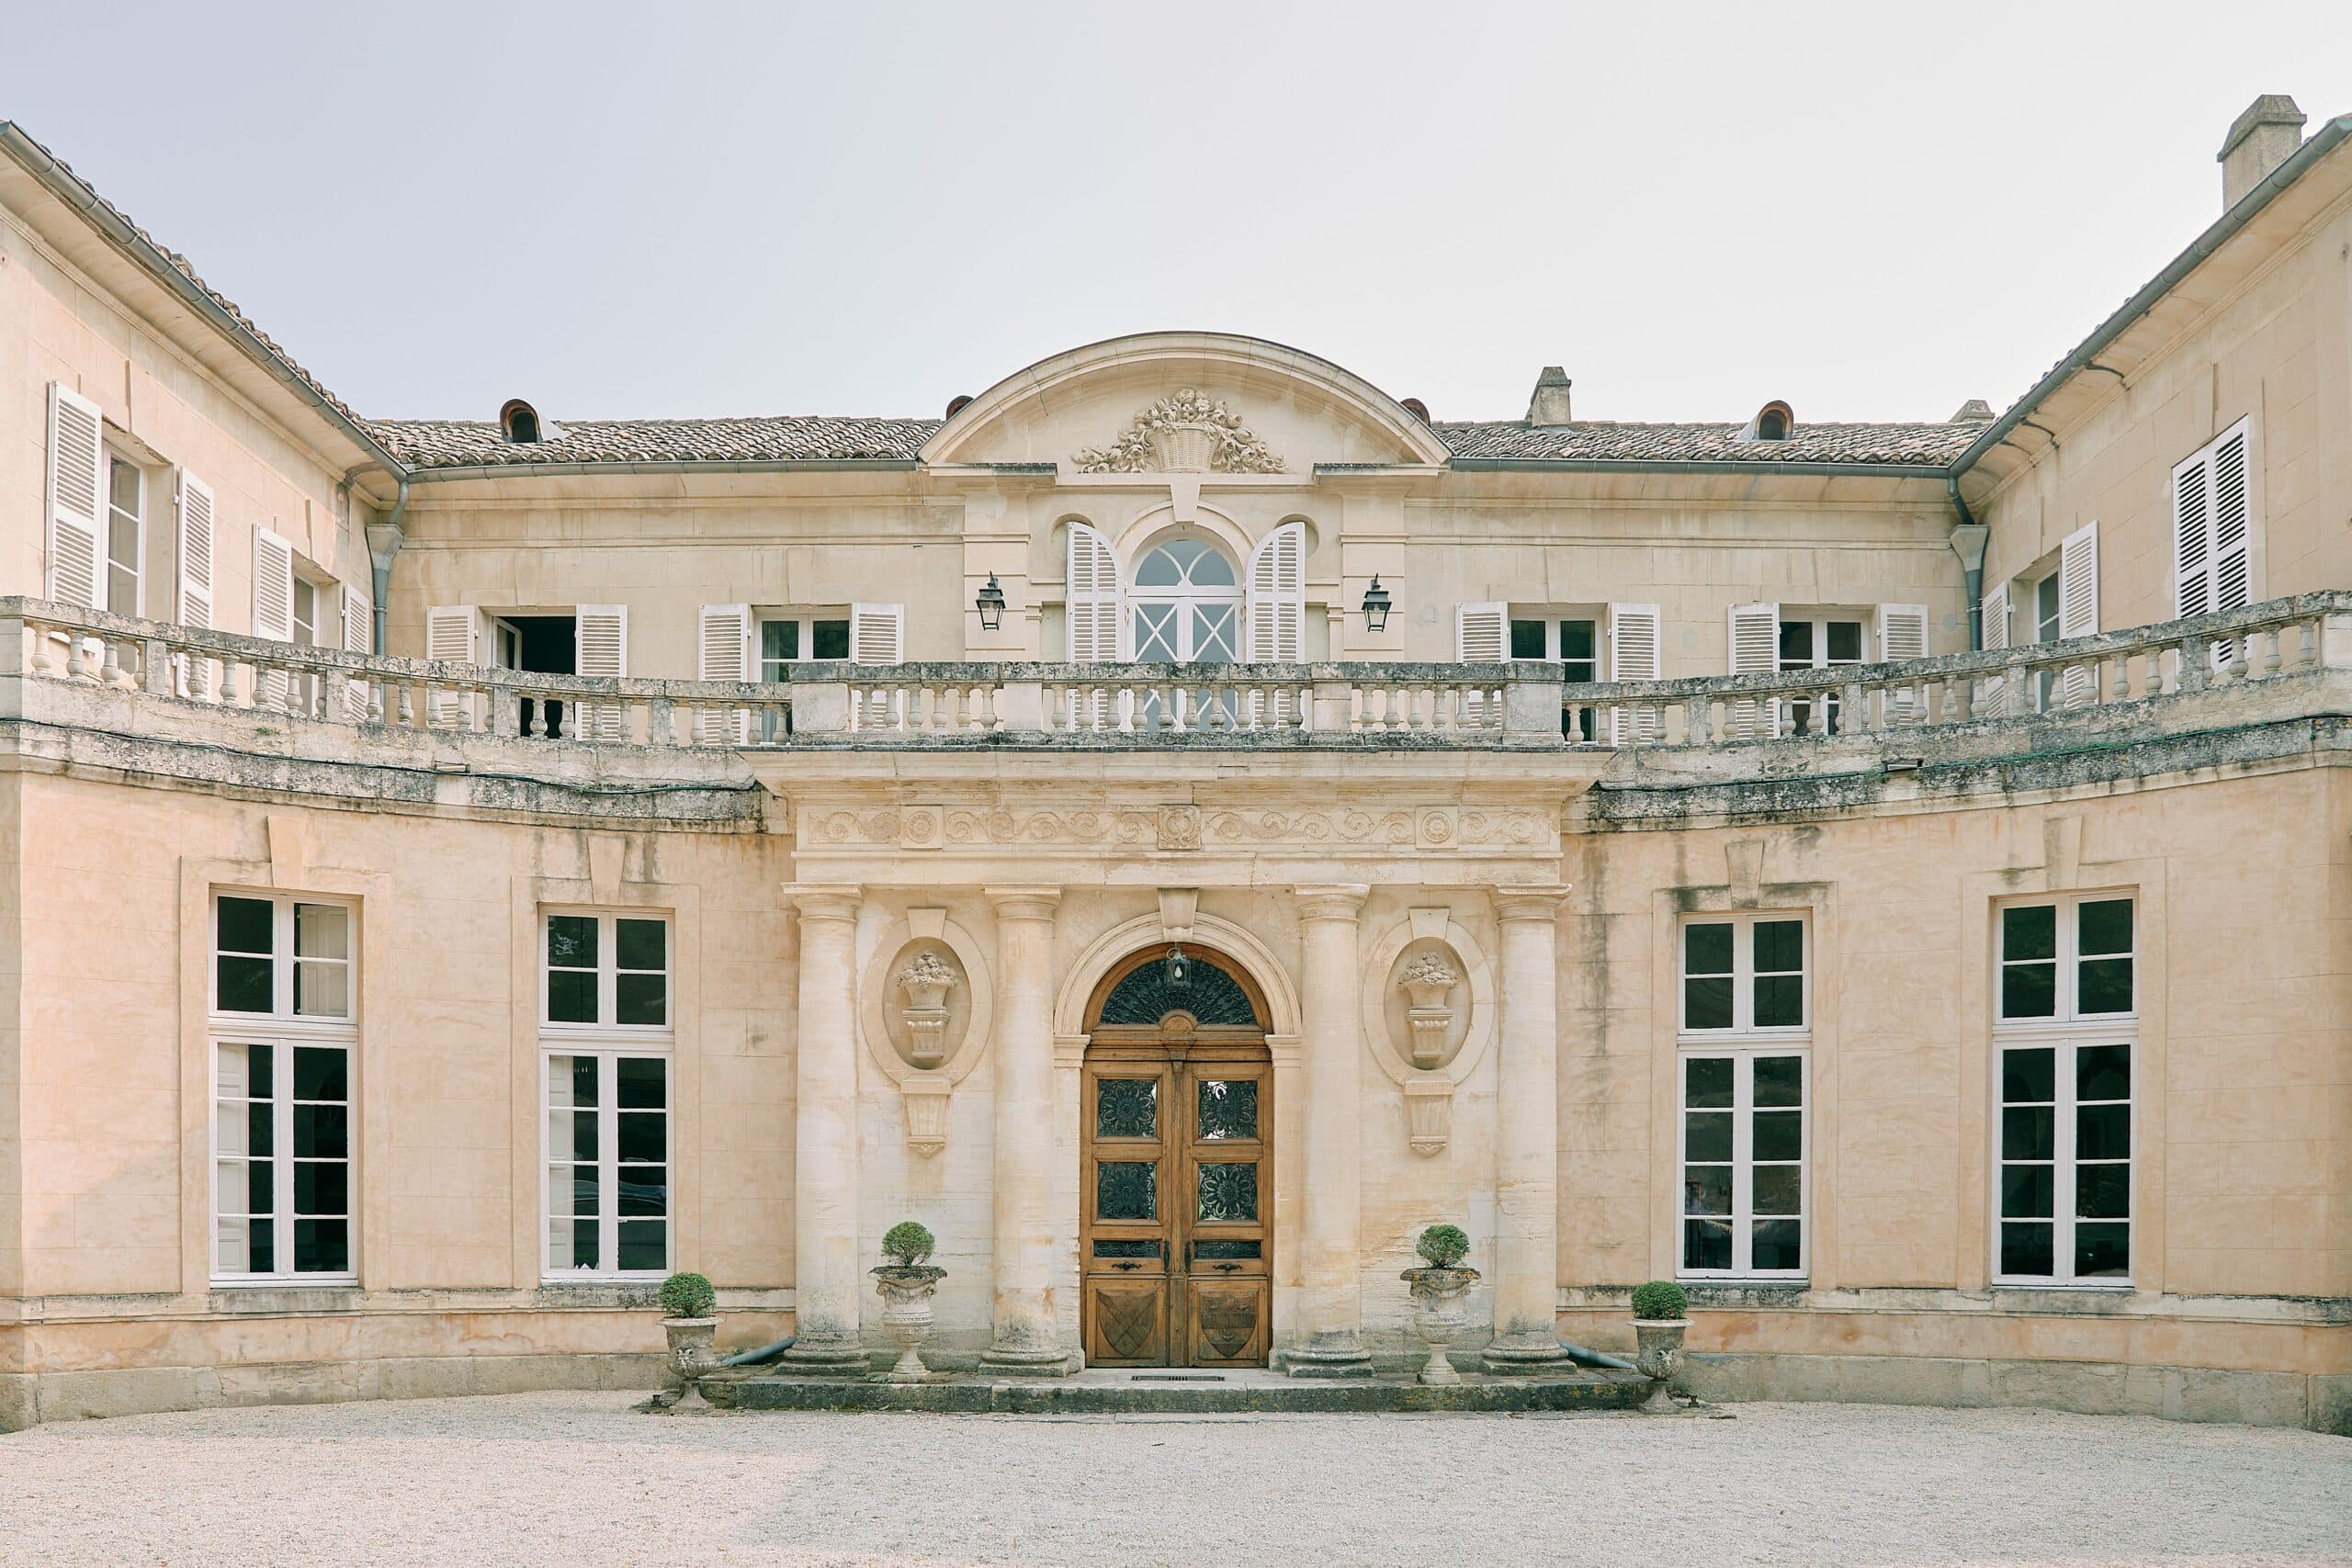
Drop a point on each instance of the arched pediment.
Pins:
(1175, 403)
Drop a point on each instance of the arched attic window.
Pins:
(1772, 423)
(519, 422)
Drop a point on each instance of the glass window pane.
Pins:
(245, 984)
(829, 639)
(1845, 642)
(261, 1187)
(2029, 1075)
(1229, 1191)
(1126, 1190)
(645, 1245)
(1126, 1108)
(2105, 985)
(1577, 641)
(2029, 1131)
(2103, 1251)
(1773, 1247)
(322, 931)
(2103, 1132)
(641, 944)
(1706, 1136)
(261, 1137)
(1780, 1001)
(1774, 1190)
(323, 989)
(1707, 1082)
(322, 1132)
(1706, 1190)
(2103, 1072)
(571, 941)
(323, 1247)
(642, 1191)
(261, 1250)
(2027, 1249)
(2028, 1192)
(587, 1192)
(641, 999)
(2106, 926)
(572, 996)
(640, 1083)
(1779, 1080)
(1228, 1110)
(585, 1139)
(246, 925)
(2029, 990)
(1706, 1244)
(1706, 1002)
(1706, 949)
(122, 489)
(780, 642)
(2103, 1191)
(261, 1079)
(1780, 946)
(643, 1136)
(2029, 931)
(321, 1188)
(1527, 639)
(1796, 643)
(1779, 1134)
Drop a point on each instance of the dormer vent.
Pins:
(1550, 403)
(1772, 423)
(1416, 408)
(519, 422)
(955, 405)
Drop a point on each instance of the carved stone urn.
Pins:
(1658, 1353)
(926, 981)
(691, 1353)
(1429, 980)
(906, 1290)
(1440, 1314)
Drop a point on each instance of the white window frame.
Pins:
(1743, 992)
(2067, 1032)
(1785, 714)
(283, 1030)
(608, 1043)
(1743, 1058)
(138, 562)
(807, 620)
(1597, 614)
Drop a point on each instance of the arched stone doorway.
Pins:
(1176, 1173)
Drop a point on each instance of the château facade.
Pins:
(1176, 825)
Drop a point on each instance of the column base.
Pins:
(1529, 1350)
(1335, 1355)
(1026, 1361)
(827, 1356)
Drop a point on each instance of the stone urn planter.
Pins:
(1659, 1325)
(907, 1284)
(1440, 1314)
(688, 1301)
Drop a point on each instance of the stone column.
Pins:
(1024, 1339)
(1332, 1314)
(1527, 1156)
(825, 1277)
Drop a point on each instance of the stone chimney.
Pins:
(2259, 141)
(1550, 403)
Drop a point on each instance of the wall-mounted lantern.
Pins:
(1375, 606)
(990, 604)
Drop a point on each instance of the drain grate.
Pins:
(1177, 1377)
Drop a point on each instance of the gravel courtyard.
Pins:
(576, 1479)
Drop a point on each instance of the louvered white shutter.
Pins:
(2078, 603)
(600, 647)
(1755, 650)
(2213, 533)
(454, 634)
(273, 609)
(1633, 655)
(2192, 537)
(77, 490)
(723, 652)
(1091, 596)
(2233, 559)
(877, 634)
(1481, 636)
(1993, 622)
(1902, 635)
(358, 637)
(1276, 606)
(193, 602)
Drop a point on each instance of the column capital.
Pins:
(1036, 902)
(824, 900)
(1528, 903)
(1332, 901)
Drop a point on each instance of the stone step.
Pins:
(1184, 1392)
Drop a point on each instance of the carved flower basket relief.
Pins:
(1429, 980)
(926, 980)
(1188, 433)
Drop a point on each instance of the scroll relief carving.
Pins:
(953, 829)
(1188, 433)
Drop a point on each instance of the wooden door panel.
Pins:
(1229, 1322)
(1127, 1322)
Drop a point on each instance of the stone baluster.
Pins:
(1024, 1336)
(1527, 1099)
(1331, 1305)
(825, 1274)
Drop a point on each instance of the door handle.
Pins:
(1228, 1267)
(1130, 1263)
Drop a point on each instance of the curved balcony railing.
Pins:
(1143, 706)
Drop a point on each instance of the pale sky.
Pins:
(1874, 211)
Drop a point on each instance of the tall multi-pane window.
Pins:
(605, 1034)
(2065, 1025)
(125, 539)
(1816, 645)
(1574, 643)
(787, 639)
(1743, 1096)
(282, 1033)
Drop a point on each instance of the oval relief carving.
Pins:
(1428, 1003)
(928, 1009)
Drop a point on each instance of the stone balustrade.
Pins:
(1385, 706)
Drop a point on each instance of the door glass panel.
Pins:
(1126, 1190)
(1229, 1191)
(1104, 1248)
(1229, 1107)
(1215, 1249)
(1126, 1108)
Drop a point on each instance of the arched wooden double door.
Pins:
(1176, 1191)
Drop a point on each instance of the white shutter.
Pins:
(1091, 596)
(77, 498)
(454, 634)
(2232, 554)
(723, 652)
(1634, 641)
(358, 637)
(1993, 622)
(193, 602)
(600, 647)
(877, 634)
(2192, 537)
(2079, 603)
(1755, 650)
(1275, 607)
(1902, 635)
(2212, 532)
(1482, 633)
(273, 609)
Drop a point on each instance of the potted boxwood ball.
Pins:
(907, 1284)
(1661, 1317)
(1438, 1290)
(689, 1317)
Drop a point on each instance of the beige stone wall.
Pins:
(2275, 349)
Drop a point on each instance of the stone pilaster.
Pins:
(826, 1298)
(1527, 1239)
(1331, 1302)
(1024, 1336)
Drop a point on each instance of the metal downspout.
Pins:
(1968, 538)
(383, 543)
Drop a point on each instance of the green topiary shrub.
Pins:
(687, 1295)
(1660, 1300)
(1442, 1247)
(908, 1244)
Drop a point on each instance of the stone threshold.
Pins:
(1177, 1391)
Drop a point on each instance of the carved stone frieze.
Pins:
(1186, 433)
(1228, 829)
